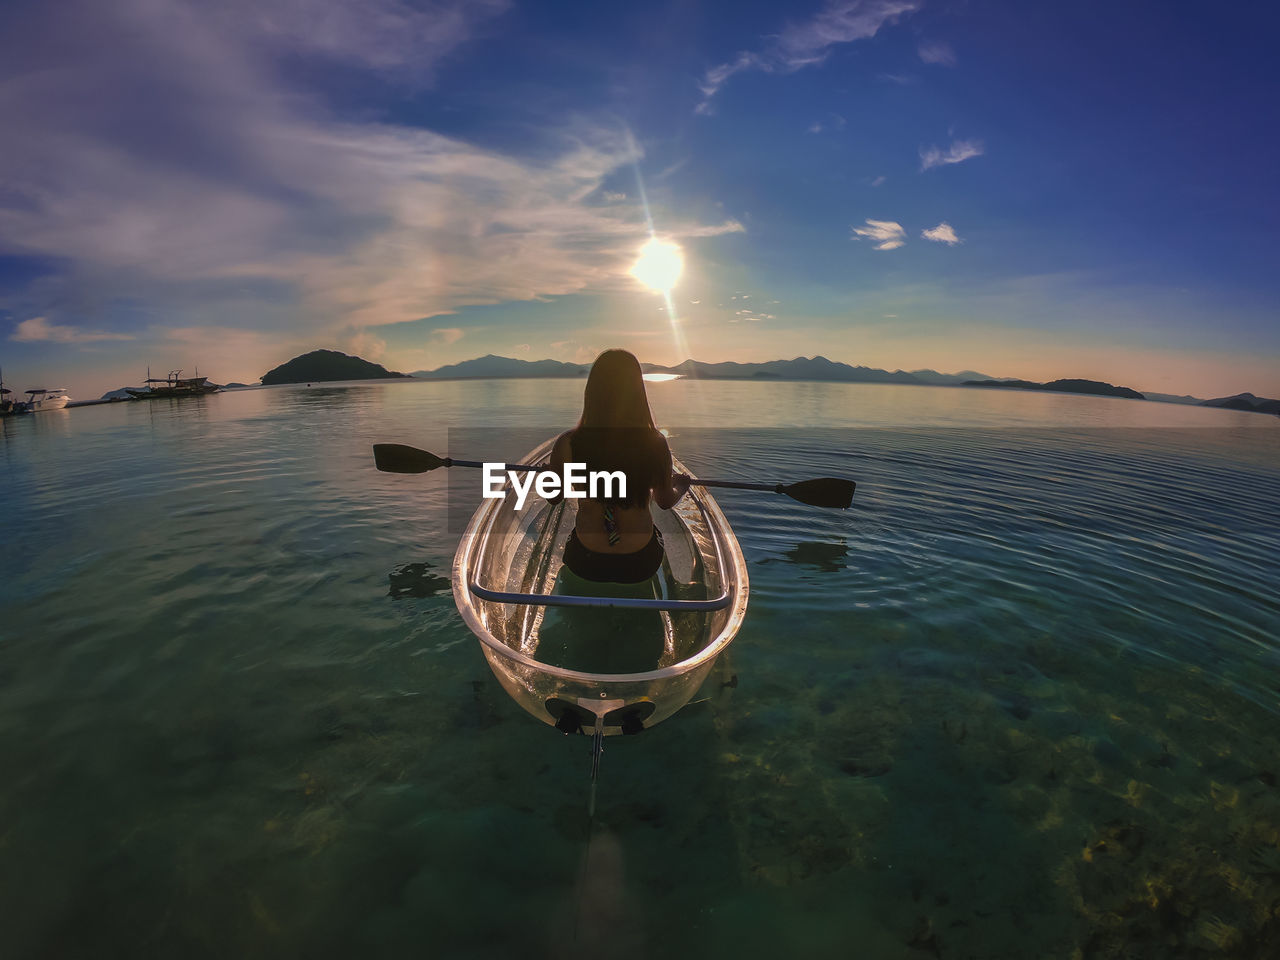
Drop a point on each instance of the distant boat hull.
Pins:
(46, 400)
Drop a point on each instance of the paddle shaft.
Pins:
(730, 484)
(820, 492)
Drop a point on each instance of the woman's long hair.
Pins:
(616, 431)
(615, 395)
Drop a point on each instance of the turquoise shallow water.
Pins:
(1020, 701)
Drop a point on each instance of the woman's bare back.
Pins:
(633, 523)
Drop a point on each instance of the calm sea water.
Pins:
(1020, 701)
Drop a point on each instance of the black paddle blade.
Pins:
(399, 458)
(822, 492)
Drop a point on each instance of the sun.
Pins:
(659, 265)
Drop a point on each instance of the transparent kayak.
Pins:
(599, 657)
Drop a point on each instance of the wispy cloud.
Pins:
(574, 351)
(708, 230)
(937, 51)
(39, 329)
(717, 77)
(959, 151)
(362, 343)
(393, 36)
(886, 234)
(834, 122)
(942, 233)
(163, 155)
(839, 21)
(446, 335)
(808, 43)
(669, 170)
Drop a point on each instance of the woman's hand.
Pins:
(669, 494)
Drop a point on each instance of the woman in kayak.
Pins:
(615, 540)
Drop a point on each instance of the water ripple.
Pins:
(235, 685)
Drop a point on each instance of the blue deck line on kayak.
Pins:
(638, 603)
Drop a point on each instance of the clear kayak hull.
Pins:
(589, 656)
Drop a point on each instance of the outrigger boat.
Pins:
(173, 385)
(505, 583)
(9, 407)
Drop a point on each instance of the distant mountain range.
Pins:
(801, 368)
(491, 367)
(1172, 398)
(1094, 387)
(1245, 401)
(323, 365)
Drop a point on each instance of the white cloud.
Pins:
(39, 329)
(163, 155)
(809, 43)
(446, 335)
(942, 233)
(836, 122)
(710, 230)
(572, 351)
(937, 51)
(669, 170)
(716, 78)
(879, 181)
(959, 151)
(390, 36)
(839, 21)
(886, 234)
(365, 345)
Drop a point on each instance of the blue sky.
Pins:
(1036, 190)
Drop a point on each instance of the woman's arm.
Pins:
(670, 486)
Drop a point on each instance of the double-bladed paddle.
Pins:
(820, 492)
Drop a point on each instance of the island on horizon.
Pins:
(1093, 387)
(320, 366)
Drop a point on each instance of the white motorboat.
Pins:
(42, 399)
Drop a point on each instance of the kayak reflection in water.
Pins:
(615, 539)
